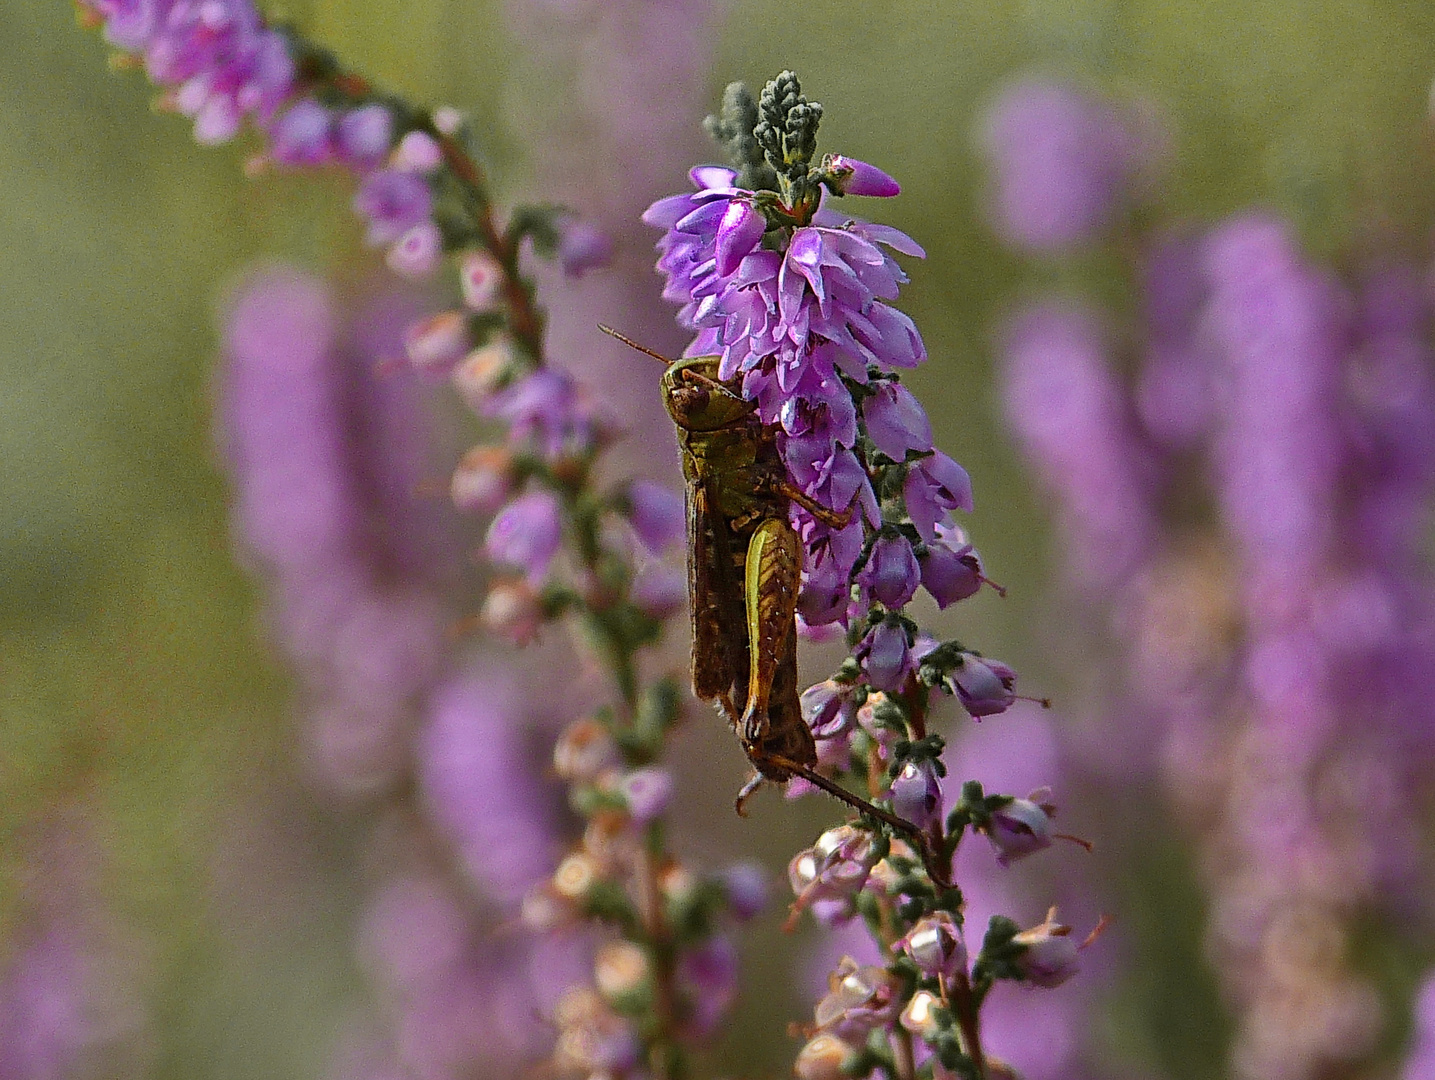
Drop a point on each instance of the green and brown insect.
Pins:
(744, 571)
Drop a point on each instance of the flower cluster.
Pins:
(794, 299)
(220, 62)
(1269, 644)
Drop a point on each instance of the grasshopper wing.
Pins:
(719, 629)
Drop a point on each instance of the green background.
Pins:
(135, 682)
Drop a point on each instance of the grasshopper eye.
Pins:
(690, 399)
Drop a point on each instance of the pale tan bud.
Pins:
(621, 970)
(483, 372)
(822, 1058)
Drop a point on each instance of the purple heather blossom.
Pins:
(917, 795)
(657, 515)
(891, 574)
(861, 999)
(481, 278)
(660, 591)
(302, 135)
(707, 975)
(746, 887)
(362, 136)
(648, 793)
(1420, 1059)
(1050, 956)
(483, 479)
(582, 246)
(527, 534)
(859, 178)
(835, 868)
(547, 409)
(392, 202)
(935, 486)
(417, 152)
(1073, 417)
(479, 784)
(418, 253)
(886, 655)
(738, 232)
(984, 686)
(951, 568)
(1062, 161)
(1020, 828)
(829, 709)
(896, 421)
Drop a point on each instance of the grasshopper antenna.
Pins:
(633, 344)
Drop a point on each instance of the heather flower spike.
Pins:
(797, 302)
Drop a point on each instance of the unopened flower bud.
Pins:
(483, 479)
(621, 971)
(512, 610)
(575, 877)
(544, 909)
(585, 751)
(434, 345)
(417, 152)
(481, 278)
(1049, 955)
(917, 794)
(483, 372)
(447, 120)
(823, 1058)
(582, 246)
(853, 177)
(918, 1017)
(417, 253)
(1022, 827)
(936, 945)
(648, 793)
(891, 574)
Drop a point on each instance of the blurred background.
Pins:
(172, 840)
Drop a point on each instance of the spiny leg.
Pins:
(862, 806)
(773, 572)
(834, 519)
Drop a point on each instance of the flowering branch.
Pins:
(666, 978)
(792, 297)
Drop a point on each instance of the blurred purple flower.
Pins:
(527, 534)
(1063, 160)
(481, 786)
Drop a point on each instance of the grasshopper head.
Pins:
(695, 397)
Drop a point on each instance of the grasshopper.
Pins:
(744, 571)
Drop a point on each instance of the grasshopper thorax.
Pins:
(697, 399)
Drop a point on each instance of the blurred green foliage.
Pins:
(134, 677)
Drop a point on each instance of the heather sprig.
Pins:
(1240, 496)
(577, 552)
(795, 299)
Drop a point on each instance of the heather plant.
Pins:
(1242, 471)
